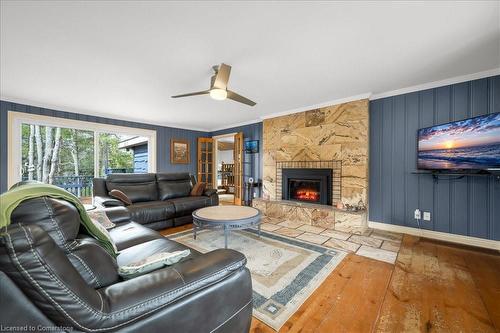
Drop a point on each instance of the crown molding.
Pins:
(92, 113)
(317, 106)
(243, 123)
(437, 84)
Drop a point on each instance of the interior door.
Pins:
(206, 161)
(238, 168)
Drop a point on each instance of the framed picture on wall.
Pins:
(179, 151)
(252, 146)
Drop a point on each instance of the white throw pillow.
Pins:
(151, 263)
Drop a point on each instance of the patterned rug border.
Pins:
(289, 240)
(337, 254)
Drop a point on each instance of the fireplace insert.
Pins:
(307, 185)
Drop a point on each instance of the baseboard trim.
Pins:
(443, 236)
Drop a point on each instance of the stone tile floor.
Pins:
(375, 244)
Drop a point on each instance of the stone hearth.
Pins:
(313, 214)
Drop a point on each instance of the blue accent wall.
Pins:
(163, 136)
(468, 206)
(252, 163)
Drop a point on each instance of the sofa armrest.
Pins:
(118, 214)
(164, 286)
(210, 191)
(99, 187)
(213, 195)
(104, 201)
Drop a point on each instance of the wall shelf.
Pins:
(454, 175)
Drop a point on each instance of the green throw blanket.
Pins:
(11, 199)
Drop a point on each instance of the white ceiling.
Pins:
(125, 59)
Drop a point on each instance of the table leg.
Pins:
(225, 237)
(259, 229)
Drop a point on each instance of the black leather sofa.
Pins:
(159, 201)
(54, 278)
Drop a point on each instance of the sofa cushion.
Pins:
(59, 218)
(28, 251)
(136, 192)
(186, 205)
(173, 185)
(136, 186)
(151, 211)
(96, 266)
(130, 234)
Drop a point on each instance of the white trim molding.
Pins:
(443, 236)
(243, 123)
(317, 106)
(437, 84)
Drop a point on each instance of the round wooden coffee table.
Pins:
(227, 218)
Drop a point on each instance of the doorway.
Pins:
(224, 157)
(220, 165)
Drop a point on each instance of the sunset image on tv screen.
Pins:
(467, 144)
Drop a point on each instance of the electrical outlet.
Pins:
(427, 216)
(417, 214)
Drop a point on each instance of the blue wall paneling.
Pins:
(469, 206)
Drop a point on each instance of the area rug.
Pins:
(285, 271)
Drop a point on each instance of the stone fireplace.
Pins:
(335, 135)
(333, 138)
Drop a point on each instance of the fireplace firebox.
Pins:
(307, 185)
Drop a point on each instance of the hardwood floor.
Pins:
(433, 287)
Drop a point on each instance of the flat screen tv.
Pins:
(470, 144)
(252, 146)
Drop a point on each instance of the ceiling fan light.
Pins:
(218, 94)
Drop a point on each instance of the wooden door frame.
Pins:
(198, 157)
(217, 137)
(238, 200)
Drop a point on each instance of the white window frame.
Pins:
(17, 119)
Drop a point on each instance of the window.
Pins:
(69, 153)
(58, 155)
(121, 153)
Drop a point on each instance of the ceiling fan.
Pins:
(218, 87)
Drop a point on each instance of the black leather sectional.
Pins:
(53, 275)
(159, 200)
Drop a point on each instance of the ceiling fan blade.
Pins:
(222, 76)
(205, 92)
(238, 98)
